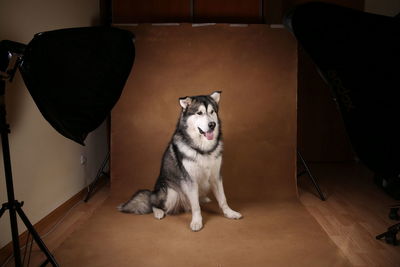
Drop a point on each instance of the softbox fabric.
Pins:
(76, 76)
(358, 55)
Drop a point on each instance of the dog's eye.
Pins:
(212, 111)
(199, 113)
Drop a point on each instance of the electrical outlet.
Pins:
(83, 160)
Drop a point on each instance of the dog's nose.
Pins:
(211, 125)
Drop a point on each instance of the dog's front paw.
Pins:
(231, 214)
(196, 225)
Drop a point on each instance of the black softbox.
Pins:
(76, 76)
(358, 55)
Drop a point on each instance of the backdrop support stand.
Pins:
(313, 180)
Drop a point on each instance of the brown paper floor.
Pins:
(272, 233)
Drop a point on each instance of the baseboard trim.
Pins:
(45, 224)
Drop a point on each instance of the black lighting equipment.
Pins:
(358, 55)
(75, 77)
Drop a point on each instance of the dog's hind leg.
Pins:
(158, 213)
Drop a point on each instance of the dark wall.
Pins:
(222, 11)
(233, 11)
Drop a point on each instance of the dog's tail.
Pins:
(140, 203)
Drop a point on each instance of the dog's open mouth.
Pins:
(209, 135)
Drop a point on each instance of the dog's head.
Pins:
(200, 117)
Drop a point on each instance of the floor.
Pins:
(72, 221)
(354, 213)
(269, 232)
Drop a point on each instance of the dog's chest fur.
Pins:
(202, 167)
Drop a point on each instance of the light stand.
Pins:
(357, 54)
(75, 77)
(13, 206)
(392, 231)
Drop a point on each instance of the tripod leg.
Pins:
(36, 237)
(393, 214)
(3, 209)
(11, 205)
(98, 175)
(314, 181)
(15, 237)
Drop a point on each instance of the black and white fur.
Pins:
(190, 167)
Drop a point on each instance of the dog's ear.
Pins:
(185, 101)
(216, 96)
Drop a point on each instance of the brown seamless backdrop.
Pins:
(254, 66)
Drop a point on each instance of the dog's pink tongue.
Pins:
(210, 135)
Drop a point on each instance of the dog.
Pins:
(190, 167)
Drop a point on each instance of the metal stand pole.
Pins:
(390, 235)
(14, 206)
(99, 174)
(314, 181)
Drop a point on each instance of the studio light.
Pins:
(75, 76)
(358, 55)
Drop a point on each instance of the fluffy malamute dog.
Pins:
(190, 166)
